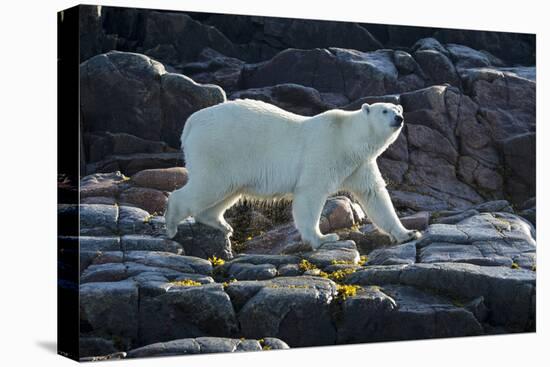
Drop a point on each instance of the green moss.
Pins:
(185, 283)
(148, 218)
(216, 261)
(305, 265)
(225, 284)
(340, 275)
(346, 290)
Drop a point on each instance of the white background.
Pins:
(28, 181)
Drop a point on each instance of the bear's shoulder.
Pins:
(335, 118)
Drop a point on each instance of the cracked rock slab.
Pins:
(294, 309)
(203, 241)
(186, 312)
(509, 293)
(400, 254)
(185, 264)
(402, 313)
(97, 302)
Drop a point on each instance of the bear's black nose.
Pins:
(398, 119)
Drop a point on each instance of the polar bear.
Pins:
(254, 149)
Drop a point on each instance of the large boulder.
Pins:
(124, 92)
(520, 164)
(98, 302)
(186, 312)
(291, 97)
(294, 309)
(360, 73)
(203, 241)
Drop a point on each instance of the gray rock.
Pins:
(98, 220)
(133, 220)
(464, 253)
(508, 293)
(361, 73)
(369, 238)
(274, 343)
(185, 264)
(519, 158)
(89, 243)
(288, 270)
(133, 163)
(103, 144)
(104, 273)
(213, 67)
(97, 302)
(466, 57)
(204, 345)
(400, 254)
(294, 309)
(203, 241)
(333, 251)
(258, 259)
(402, 313)
(148, 243)
(442, 233)
(244, 271)
(404, 62)
(491, 239)
(170, 348)
(292, 97)
(455, 218)
(107, 105)
(437, 67)
(184, 312)
(101, 184)
(494, 206)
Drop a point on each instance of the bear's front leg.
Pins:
(369, 188)
(307, 205)
(379, 208)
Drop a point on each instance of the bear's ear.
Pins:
(400, 108)
(365, 108)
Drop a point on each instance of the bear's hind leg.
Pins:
(213, 216)
(190, 200)
(306, 210)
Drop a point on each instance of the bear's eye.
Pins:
(385, 111)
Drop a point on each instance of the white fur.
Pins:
(255, 149)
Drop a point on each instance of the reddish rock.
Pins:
(418, 221)
(147, 199)
(164, 179)
(337, 213)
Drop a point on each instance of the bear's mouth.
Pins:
(397, 125)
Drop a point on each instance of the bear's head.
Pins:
(384, 120)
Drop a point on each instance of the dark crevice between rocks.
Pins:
(139, 331)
